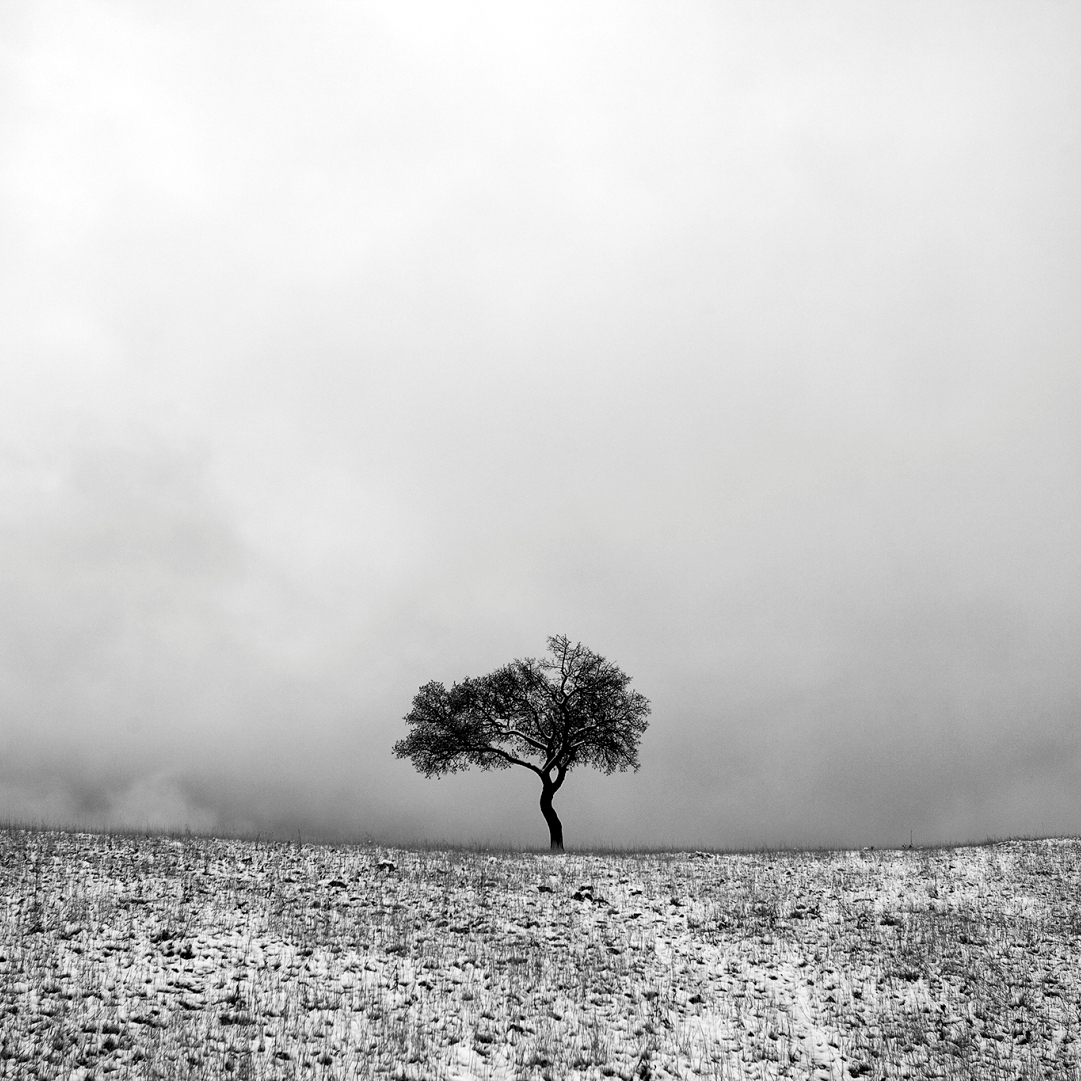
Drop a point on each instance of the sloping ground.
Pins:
(151, 957)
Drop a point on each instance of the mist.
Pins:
(347, 349)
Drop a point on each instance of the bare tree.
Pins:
(572, 708)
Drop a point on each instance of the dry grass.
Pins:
(127, 956)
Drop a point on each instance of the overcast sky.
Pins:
(344, 347)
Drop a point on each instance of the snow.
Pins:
(155, 957)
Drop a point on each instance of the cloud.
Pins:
(350, 351)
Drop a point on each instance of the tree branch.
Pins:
(488, 748)
(508, 731)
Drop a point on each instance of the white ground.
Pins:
(151, 957)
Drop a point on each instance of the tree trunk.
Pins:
(555, 827)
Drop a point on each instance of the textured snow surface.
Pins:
(154, 957)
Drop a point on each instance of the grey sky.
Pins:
(344, 347)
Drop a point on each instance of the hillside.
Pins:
(159, 957)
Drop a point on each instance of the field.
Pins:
(132, 956)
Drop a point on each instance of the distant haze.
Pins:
(344, 347)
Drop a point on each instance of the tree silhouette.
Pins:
(572, 708)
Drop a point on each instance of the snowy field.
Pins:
(152, 957)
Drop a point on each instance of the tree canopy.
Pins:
(572, 707)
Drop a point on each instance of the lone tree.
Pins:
(571, 708)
